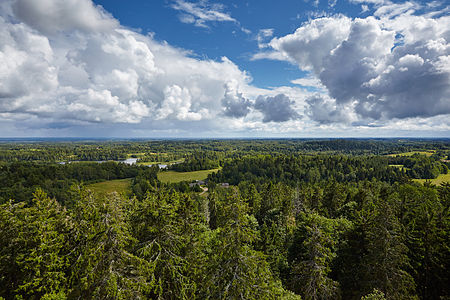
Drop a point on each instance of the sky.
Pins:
(224, 69)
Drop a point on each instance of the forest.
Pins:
(277, 219)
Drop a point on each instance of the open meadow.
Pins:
(173, 176)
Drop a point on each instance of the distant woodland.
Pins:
(277, 219)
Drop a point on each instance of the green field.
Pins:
(122, 186)
(411, 153)
(172, 176)
(440, 179)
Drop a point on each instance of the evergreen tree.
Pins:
(34, 246)
(312, 254)
(234, 270)
(104, 266)
(385, 261)
(162, 244)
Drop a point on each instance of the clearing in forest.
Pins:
(411, 153)
(436, 181)
(173, 176)
(121, 186)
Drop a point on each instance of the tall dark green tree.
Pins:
(233, 269)
(104, 266)
(163, 232)
(386, 261)
(312, 254)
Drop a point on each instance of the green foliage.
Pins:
(19, 180)
(323, 226)
(421, 166)
(198, 161)
(426, 225)
(386, 261)
(318, 168)
(34, 248)
(234, 269)
(174, 176)
(104, 267)
(375, 295)
(164, 235)
(312, 253)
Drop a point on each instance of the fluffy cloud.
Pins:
(355, 60)
(312, 42)
(68, 67)
(308, 81)
(393, 66)
(84, 67)
(177, 104)
(102, 106)
(391, 10)
(235, 105)
(52, 16)
(276, 109)
(325, 110)
(25, 65)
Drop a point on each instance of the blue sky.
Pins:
(228, 38)
(208, 68)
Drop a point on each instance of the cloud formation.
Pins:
(70, 64)
(276, 109)
(50, 16)
(312, 42)
(325, 110)
(87, 68)
(394, 65)
(235, 105)
(263, 35)
(201, 12)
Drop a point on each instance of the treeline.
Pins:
(19, 180)
(421, 166)
(294, 169)
(160, 157)
(54, 152)
(163, 150)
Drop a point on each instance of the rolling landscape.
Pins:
(209, 149)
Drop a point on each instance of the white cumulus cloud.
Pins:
(61, 67)
(393, 66)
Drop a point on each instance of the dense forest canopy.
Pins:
(279, 219)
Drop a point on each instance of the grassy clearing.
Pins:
(172, 176)
(122, 186)
(437, 181)
(411, 153)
